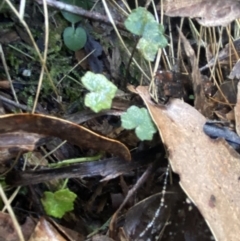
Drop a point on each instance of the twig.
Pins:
(15, 104)
(80, 11)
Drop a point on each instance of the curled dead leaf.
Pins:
(26, 125)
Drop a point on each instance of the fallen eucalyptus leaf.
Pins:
(209, 169)
(17, 125)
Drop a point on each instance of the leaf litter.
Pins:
(208, 169)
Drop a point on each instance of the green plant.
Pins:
(58, 203)
(140, 120)
(75, 37)
(100, 97)
(101, 90)
(142, 23)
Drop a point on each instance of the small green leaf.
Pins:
(147, 49)
(140, 119)
(153, 32)
(71, 17)
(58, 203)
(102, 91)
(137, 20)
(74, 39)
(142, 22)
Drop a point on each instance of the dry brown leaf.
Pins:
(210, 12)
(27, 124)
(227, 92)
(45, 231)
(7, 229)
(209, 169)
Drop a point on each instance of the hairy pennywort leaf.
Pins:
(74, 39)
(139, 119)
(142, 22)
(58, 203)
(71, 17)
(148, 50)
(101, 90)
(137, 20)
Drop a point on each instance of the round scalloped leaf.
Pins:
(74, 39)
(147, 49)
(139, 119)
(101, 90)
(71, 17)
(153, 32)
(58, 203)
(137, 20)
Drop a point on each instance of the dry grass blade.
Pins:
(225, 55)
(209, 169)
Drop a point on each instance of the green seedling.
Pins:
(142, 23)
(140, 120)
(75, 38)
(101, 90)
(58, 203)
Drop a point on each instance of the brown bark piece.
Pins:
(209, 169)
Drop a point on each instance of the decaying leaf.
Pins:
(209, 169)
(45, 231)
(7, 229)
(138, 218)
(227, 92)
(208, 12)
(34, 124)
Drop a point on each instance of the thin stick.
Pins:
(80, 11)
(44, 55)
